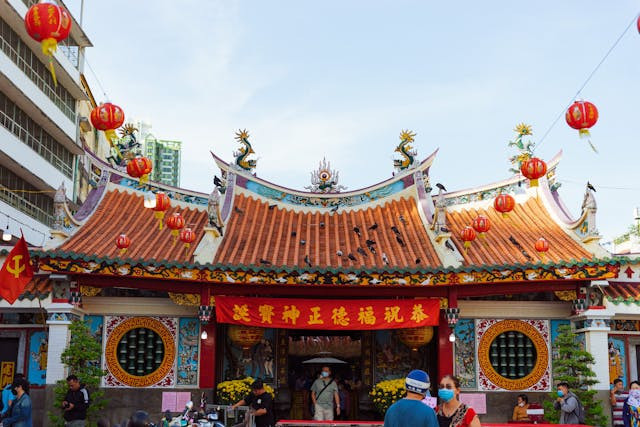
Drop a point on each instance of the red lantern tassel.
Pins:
(584, 133)
(175, 234)
(533, 183)
(467, 245)
(144, 178)
(186, 249)
(123, 251)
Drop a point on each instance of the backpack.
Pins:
(579, 411)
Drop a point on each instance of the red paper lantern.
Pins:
(140, 167)
(175, 222)
(107, 118)
(162, 204)
(245, 336)
(468, 235)
(582, 115)
(639, 24)
(123, 243)
(504, 204)
(542, 245)
(533, 169)
(187, 236)
(481, 225)
(48, 24)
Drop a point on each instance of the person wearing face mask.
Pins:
(451, 412)
(571, 410)
(8, 397)
(520, 411)
(631, 407)
(324, 395)
(20, 411)
(411, 411)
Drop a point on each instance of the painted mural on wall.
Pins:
(255, 362)
(617, 360)
(188, 340)
(38, 348)
(465, 349)
(140, 351)
(513, 354)
(95, 324)
(393, 359)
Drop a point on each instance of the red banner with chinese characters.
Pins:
(330, 314)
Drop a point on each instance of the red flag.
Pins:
(16, 272)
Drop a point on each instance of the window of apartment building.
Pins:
(35, 70)
(25, 197)
(28, 131)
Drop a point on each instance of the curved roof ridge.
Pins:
(515, 179)
(422, 166)
(117, 176)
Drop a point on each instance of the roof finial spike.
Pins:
(324, 179)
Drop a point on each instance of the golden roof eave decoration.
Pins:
(89, 291)
(189, 300)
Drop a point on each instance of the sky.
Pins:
(341, 79)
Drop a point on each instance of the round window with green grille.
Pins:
(140, 352)
(512, 355)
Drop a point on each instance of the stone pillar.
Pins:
(58, 339)
(595, 326)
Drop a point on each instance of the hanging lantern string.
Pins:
(604, 58)
(104, 92)
(599, 187)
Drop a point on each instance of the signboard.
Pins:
(327, 314)
(478, 401)
(175, 401)
(7, 371)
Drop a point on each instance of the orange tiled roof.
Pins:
(258, 233)
(123, 212)
(509, 237)
(622, 292)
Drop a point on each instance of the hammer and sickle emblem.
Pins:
(17, 268)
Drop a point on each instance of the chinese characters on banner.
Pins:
(327, 314)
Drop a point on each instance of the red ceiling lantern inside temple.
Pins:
(140, 167)
(542, 246)
(123, 242)
(533, 169)
(162, 204)
(582, 115)
(481, 224)
(468, 235)
(107, 118)
(504, 204)
(48, 24)
(187, 236)
(175, 222)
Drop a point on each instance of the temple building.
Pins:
(384, 279)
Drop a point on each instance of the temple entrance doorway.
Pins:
(308, 353)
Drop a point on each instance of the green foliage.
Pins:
(633, 230)
(573, 366)
(81, 357)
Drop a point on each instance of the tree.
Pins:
(573, 366)
(81, 357)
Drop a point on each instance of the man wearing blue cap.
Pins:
(411, 411)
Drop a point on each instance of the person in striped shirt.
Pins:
(617, 398)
